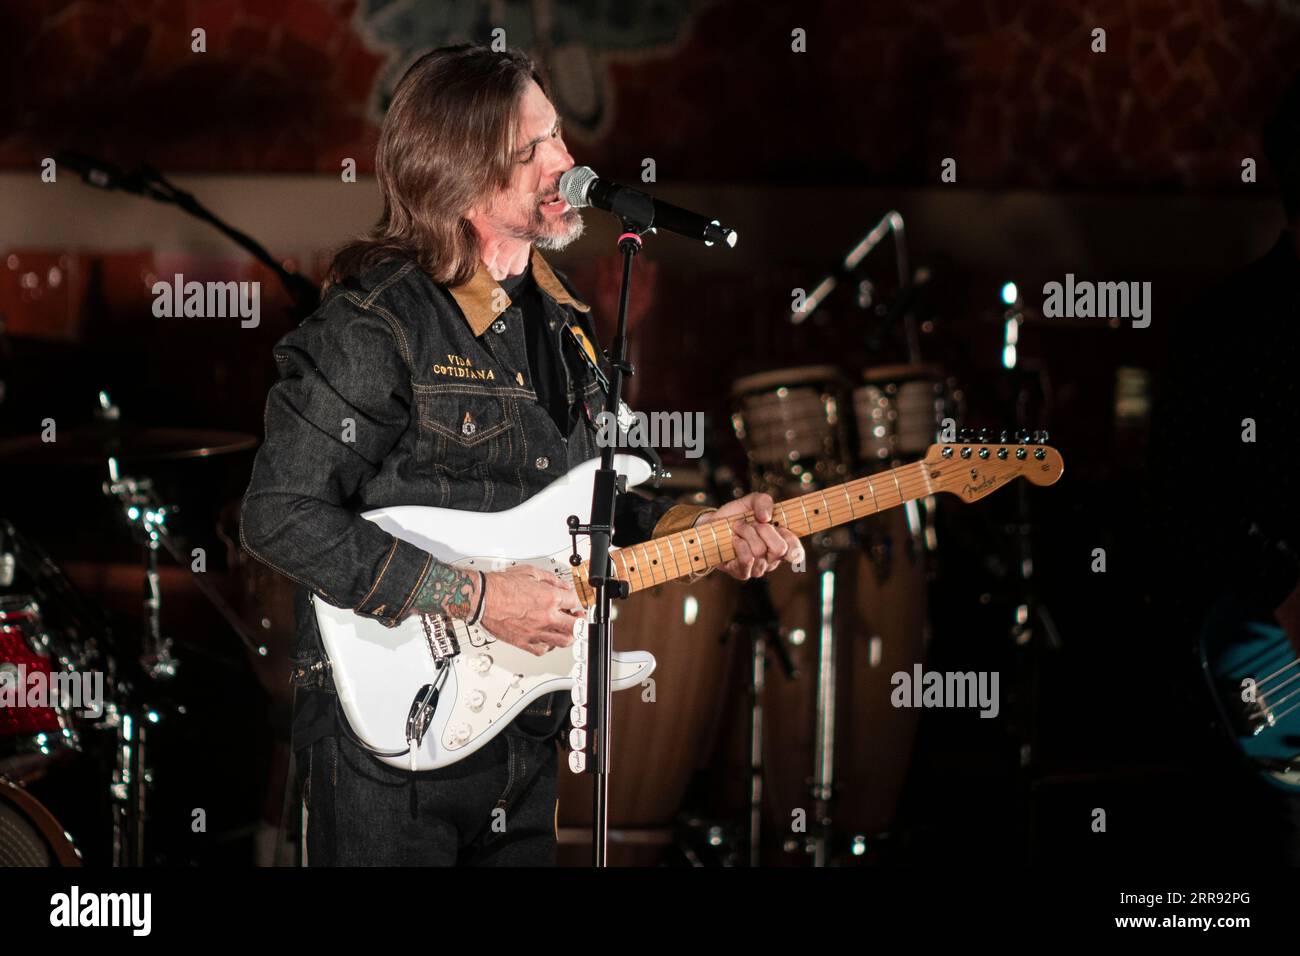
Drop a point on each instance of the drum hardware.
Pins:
(823, 781)
(1032, 615)
(758, 617)
(147, 514)
(703, 842)
(127, 713)
(843, 750)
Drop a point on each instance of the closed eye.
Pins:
(556, 133)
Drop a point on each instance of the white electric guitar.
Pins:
(433, 690)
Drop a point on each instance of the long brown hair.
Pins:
(447, 141)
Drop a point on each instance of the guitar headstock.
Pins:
(974, 466)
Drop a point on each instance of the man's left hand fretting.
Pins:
(760, 546)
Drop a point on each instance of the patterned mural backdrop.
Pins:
(298, 85)
(1097, 139)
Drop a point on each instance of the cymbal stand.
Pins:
(823, 778)
(147, 517)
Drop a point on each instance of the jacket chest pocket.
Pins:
(465, 431)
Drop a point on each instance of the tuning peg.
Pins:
(1042, 437)
(1002, 438)
(984, 436)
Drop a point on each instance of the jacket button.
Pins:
(542, 463)
(499, 326)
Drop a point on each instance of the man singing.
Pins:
(435, 373)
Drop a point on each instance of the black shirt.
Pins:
(543, 364)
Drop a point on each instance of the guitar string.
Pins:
(1280, 701)
(1274, 690)
(917, 478)
(1281, 670)
(1277, 717)
(1266, 707)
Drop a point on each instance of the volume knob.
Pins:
(457, 734)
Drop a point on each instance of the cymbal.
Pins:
(93, 444)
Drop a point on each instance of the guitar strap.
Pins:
(579, 339)
(574, 334)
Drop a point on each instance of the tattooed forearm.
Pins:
(448, 590)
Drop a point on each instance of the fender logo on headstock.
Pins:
(976, 489)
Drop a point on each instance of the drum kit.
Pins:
(87, 754)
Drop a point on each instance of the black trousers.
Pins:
(496, 807)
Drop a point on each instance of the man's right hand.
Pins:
(532, 609)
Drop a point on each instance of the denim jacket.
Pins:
(399, 391)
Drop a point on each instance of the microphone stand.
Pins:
(891, 224)
(149, 182)
(607, 485)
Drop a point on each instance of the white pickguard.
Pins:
(378, 671)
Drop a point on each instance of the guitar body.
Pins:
(1235, 646)
(450, 688)
(379, 671)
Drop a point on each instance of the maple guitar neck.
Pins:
(970, 471)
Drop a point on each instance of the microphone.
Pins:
(580, 188)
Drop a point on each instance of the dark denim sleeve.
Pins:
(635, 518)
(343, 365)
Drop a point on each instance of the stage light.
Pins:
(1010, 338)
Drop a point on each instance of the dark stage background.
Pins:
(1123, 165)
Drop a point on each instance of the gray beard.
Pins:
(537, 233)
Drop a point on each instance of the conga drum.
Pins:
(790, 422)
(663, 732)
(880, 629)
(898, 410)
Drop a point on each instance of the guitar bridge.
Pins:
(439, 638)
